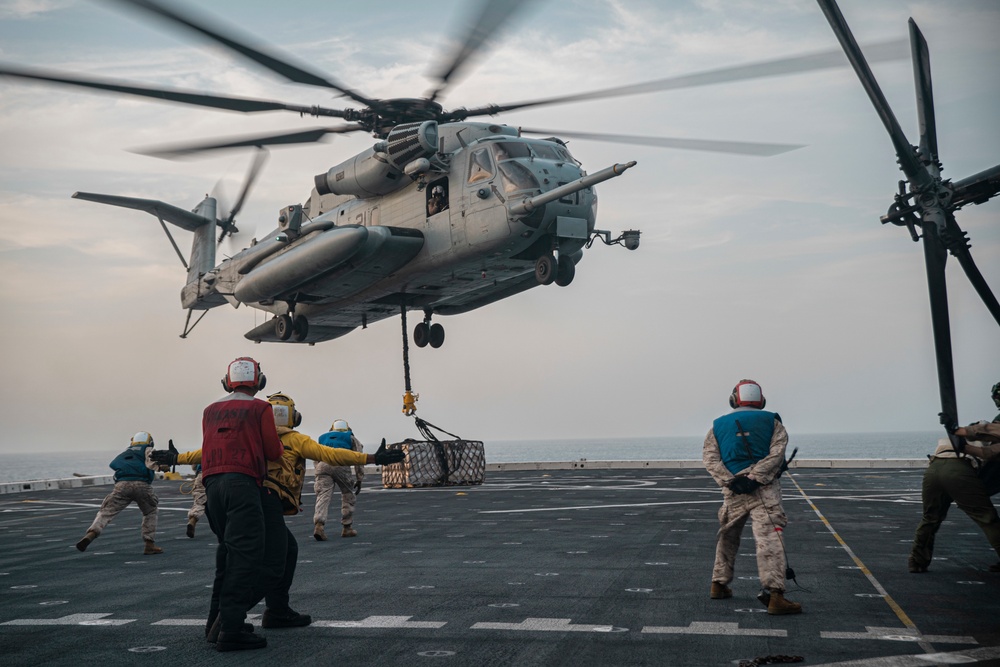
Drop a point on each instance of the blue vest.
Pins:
(130, 466)
(758, 426)
(337, 439)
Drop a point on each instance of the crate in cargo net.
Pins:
(436, 463)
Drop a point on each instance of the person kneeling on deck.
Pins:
(957, 473)
(133, 482)
(339, 436)
(744, 452)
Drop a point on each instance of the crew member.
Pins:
(339, 436)
(954, 475)
(239, 438)
(198, 499)
(281, 494)
(744, 452)
(133, 482)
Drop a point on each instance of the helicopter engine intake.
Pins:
(380, 169)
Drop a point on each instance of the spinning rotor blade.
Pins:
(883, 51)
(908, 160)
(734, 147)
(259, 159)
(243, 104)
(284, 139)
(925, 97)
(281, 66)
(492, 14)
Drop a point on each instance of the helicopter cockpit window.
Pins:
(480, 166)
(505, 150)
(516, 176)
(548, 152)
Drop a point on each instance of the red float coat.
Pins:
(238, 435)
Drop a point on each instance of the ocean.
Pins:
(23, 467)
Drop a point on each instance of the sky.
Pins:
(775, 269)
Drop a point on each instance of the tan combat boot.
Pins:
(778, 605)
(151, 549)
(87, 539)
(348, 531)
(721, 591)
(190, 527)
(319, 533)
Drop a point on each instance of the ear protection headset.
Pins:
(244, 372)
(747, 398)
(285, 413)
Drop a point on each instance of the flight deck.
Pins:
(534, 567)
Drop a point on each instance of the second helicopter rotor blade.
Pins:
(258, 141)
(259, 159)
(241, 104)
(925, 96)
(882, 51)
(908, 160)
(492, 15)
(714, 146)
(279, 65)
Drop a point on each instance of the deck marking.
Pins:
(382, 622)
(897, 635)
(707, 628)
(548, 625)
(926, 646)
(714, 501)
(965, 656)
(72, 619)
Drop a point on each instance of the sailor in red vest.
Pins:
(744, 452)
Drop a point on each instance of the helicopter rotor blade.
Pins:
(242, 104)
(172, 151)
(279, 65)
(925, 96)
(883, 51)
(492, 14)
(908, 160)
(732, 147)
(259, 160)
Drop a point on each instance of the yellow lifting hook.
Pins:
(410, 403)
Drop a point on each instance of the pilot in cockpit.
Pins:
(437, 201)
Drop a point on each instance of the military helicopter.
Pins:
(925, 200)
(442, 214)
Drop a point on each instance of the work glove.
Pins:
(388, 456)
(742, 484)
(168, 457)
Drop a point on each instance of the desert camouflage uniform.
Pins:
(198, 497)
(762, 507)
(124, 493)
(327, 476)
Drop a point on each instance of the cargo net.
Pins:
(434, 462)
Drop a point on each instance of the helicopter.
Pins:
(441, 214)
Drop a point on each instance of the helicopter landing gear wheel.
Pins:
(565, 272)
(422, 335)
(436, 336)
(283, 327)
(545, 269)
(300, 328)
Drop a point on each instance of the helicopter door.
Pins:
(485, 214)
(437, 227)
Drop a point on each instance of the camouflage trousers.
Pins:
(199, 498)
(763, 508)
(124, 494)
(327, 476)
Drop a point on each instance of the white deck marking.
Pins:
(714, 501)
(897, 635)
(547, 625)
(72, 619)
(98, 505)
(381, 622)
(965, 656)
(706, 628)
